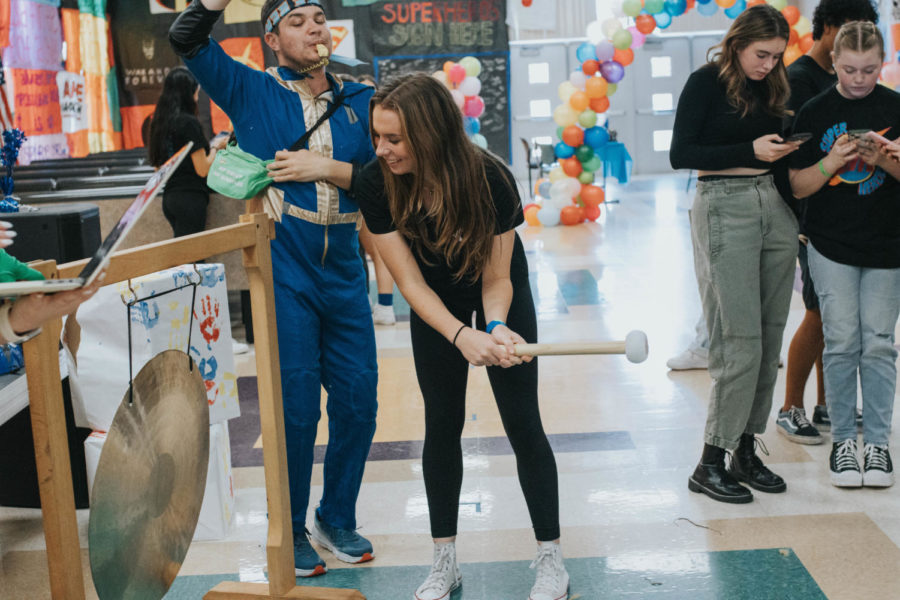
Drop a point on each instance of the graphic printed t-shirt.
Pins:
(854, 219)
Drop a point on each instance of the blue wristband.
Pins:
(492, 324)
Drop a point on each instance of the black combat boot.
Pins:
(711, 478)
(746, 466)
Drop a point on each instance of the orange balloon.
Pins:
(690, 5)
(591, 195)
(531, 215)
(590, 66)
(751, 3)
(571, 215)
(806, 42)
(726, 3)
(571, 167)
(623, 57)
(792, 14)
(579, 101)
(591, 213)
(595, 87)
(573, 135)
(791, 54)
(793, 38)
(448, 65)
(645, 24)
(599, 105)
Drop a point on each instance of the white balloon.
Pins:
(470, 86)
(549, 217)
(559, 190)
(572, 186)
(611, 26)
(578, 79)
(595, 33)
(480, 141)
(560, 203)
(459, 98)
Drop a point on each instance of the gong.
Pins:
(150, 481)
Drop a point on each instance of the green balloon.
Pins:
(559, 132)
(593, 164)
(610, 89)
(586, 177)
(584, 153)
(622, 39)
(632, 8)
(654, 6)
(587, 118)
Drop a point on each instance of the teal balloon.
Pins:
(596, 137)
(563, 150)
(593, 164)
(663, 20)
(584, 153)
(735, 9)
(587, 119)
(654, 6)
(708, 9)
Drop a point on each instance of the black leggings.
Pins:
(185, 211)
(442, 373)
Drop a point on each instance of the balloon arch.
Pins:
(570, 196)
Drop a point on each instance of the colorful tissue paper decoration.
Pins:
(12, 142)
(461, 78)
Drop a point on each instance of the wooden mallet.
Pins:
(634, 347)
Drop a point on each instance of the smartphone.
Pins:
(798, 137)
(879, 138)
(856, 134)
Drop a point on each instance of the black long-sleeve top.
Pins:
(710, 134)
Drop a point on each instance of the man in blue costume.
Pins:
(325, 332)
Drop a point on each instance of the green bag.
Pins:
(238, 174)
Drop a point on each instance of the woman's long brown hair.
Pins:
(756, 24)
(449, 169)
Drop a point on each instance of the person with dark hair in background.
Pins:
(325, 332)
(809, 76)
(173, 125)
(443, 214)
(728, 126)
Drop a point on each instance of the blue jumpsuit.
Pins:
(325, 332)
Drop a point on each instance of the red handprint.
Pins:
(209, 324)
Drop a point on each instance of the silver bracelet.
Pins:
(6, 330)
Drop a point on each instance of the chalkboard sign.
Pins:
(494, 78)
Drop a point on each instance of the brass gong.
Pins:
(150, 481)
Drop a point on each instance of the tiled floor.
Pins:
(626, 438)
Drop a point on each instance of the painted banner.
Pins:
(4, 24)
(74, 111)
(35, 37)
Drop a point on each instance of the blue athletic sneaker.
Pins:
(346, 544)
(307, 562)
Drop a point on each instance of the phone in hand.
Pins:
(861, 137)
(879, 138)
(798, 137)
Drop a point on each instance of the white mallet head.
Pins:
(636, 347)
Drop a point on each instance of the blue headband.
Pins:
(284, 8)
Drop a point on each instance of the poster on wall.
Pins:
(391, 37)
(73, 111)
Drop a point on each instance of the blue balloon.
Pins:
(563, 150)
(676, 7)
(596, 137)
(586, 52)
(663, 19)
(472, 124)
(708, 9)
(703, 1)
(735, 9)
(544, 190)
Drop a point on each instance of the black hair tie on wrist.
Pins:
(458, 331)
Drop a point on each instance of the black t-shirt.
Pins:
(186, 128)
(807, 80)
(368, 189)
(710, 134)
(854, 219)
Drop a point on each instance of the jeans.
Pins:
(745, 250)
(859, 308)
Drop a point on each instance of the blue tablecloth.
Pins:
(616, 161)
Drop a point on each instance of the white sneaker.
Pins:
(239, 347)
(383, 315)
(844, 464)
(687, 360)
(444, 577)
(552, 580)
